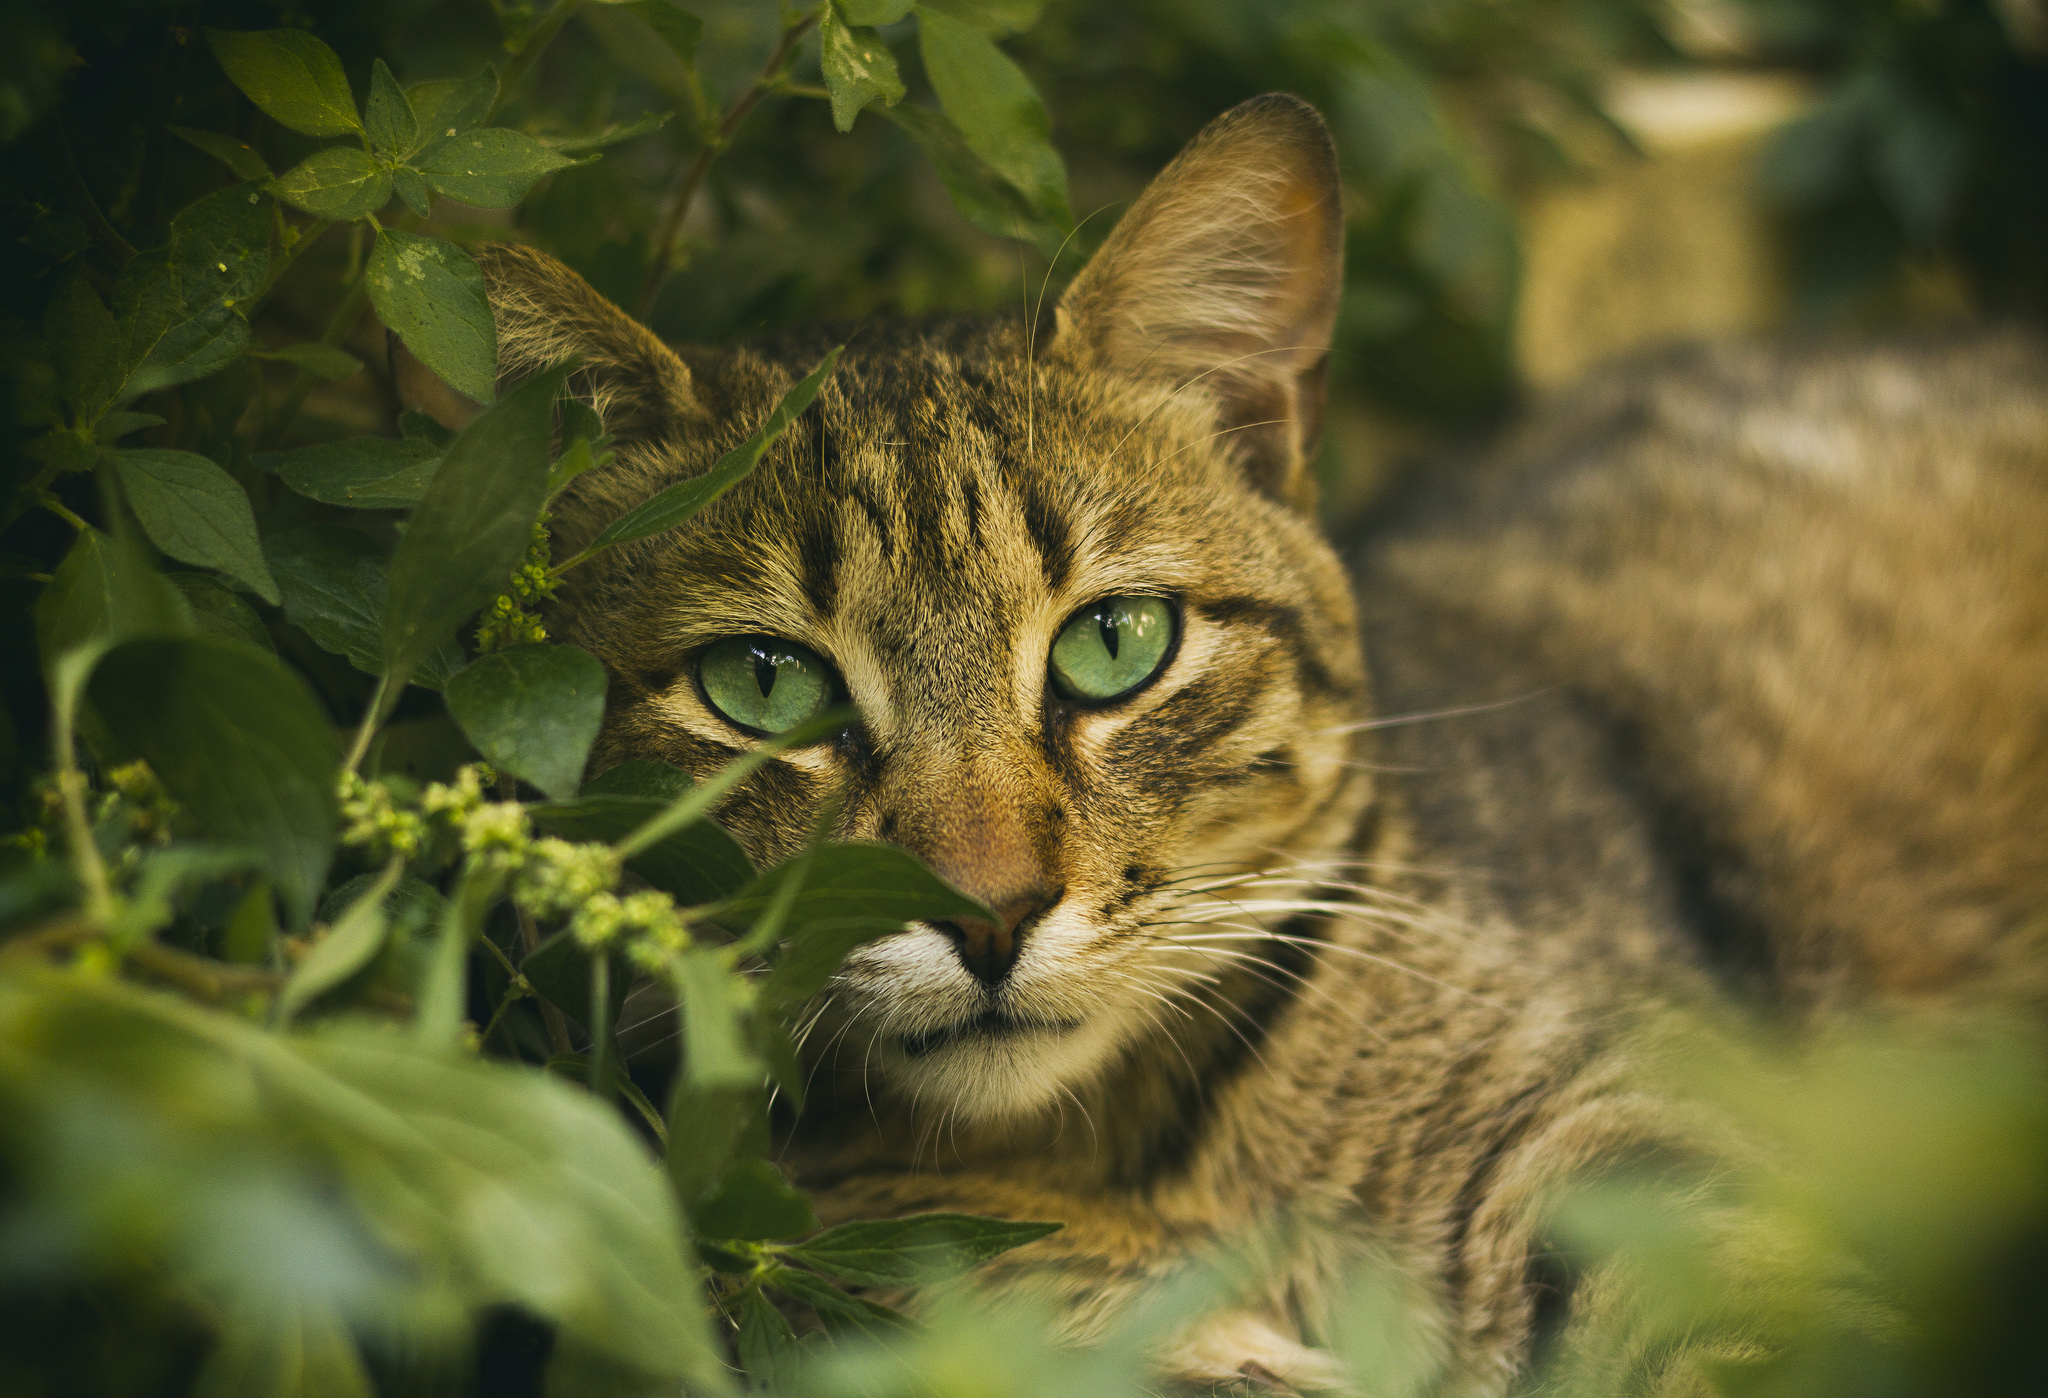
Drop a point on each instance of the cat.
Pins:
(1326, 893)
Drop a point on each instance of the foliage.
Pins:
(315, 933)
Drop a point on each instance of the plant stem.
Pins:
(550, 1014)
(308, 235)
(62, 511)
(686, 193)
(367, 730)
(112, 245)
(92, 870)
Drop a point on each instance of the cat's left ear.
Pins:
(1223, 278)
(547, 315)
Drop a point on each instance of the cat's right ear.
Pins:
(1223, 280)
(547, 315)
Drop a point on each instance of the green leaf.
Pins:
(418, 427)
(252, 930)
(180, 305)
(388, 117)
(492, 168)
(307, 1351)
(408, 184)
(656, 781)
(992, 16)
(450, 106)
(85, 348)
(103, 593)
(334, 581)
(838, 1310)
(983, 197)
(767, 1346)
(707, 1129)
(363, 473)
(699, 863)
(715, 1051)
(321, 361)
(240, 742)
(294, 78)
(675, 505)
(755, 1204)
(559, 968)
(472, 526)
(113, 426)
(533, 711)
(916, 1250)
(678, 28)
(432, 295)
(858, 69)
(217, 611)
(349, 945)
(611, 135)
(238, 156)
(996, 108)
(340, 182)
(851, 893)
(196, 513)
(872, 12)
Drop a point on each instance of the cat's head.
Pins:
(1105, 666)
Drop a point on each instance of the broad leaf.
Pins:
(533, 711)
(996, 17)
(238, 156)
(348, 947)
(217, 611)
(293, 77)
(715, 1050)
(996, 108)
(678, 28)
(408, 184)
(699, 863)
(656, 781)
(388, 118)
(611, 135)
(86, 348)
(754, 1204)
(767, 1346)
(473, 525)
(240, 742)
(321, 361)
(180, 305)
(450, 106)
(679, 502)
(916, 1250)
(334, 583)
(197, 513)
(872, 12)
(340, 182)
(839, 1311)
(364, 473)
(492, 168)
(983, 197)
(103, 593)
(858, 69)
(432, 295)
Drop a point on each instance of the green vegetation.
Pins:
(314, 938)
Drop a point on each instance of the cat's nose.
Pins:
(989, 949)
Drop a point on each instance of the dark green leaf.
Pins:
(450, 106)
(364, 473)
(533, 711)
(252, 931)
(858, 69)
(992, 16)
(63, 451)
(240, 742)
(340, 182)
(673, 506)
(349, 945)
(996, 108)
(707, 1130)
(101, 595)
(196, 513)
(492, 168)
(755, 1204)
(306, 1350)
(699, 863)
(983, 197)
(838, 1310)
(410, 904)
(408, 184)
(291, 75)
(432, 295)
(418, 427)
(85, 347)
(113, 426)
(767, 1346)
(334, 583)
(914, 1251)
(559, 968)
(321, 361)
(473, 525)
(657, 781)
(180, 305)
(238, 156)
(678, 28)
(611, 135)
(388, 117)
(715, 1051)
(873, 12)
(217, 611)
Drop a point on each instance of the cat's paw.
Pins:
(1246, 1356)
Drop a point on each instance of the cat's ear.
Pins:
(1224, 277)
(547, 315)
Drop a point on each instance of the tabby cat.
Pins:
(1325, 896)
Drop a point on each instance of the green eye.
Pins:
(1112, 647)
(765, 684)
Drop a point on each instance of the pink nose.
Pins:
(989, 949)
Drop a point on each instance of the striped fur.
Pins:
(1354, 966)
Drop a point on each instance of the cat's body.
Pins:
(1729, 673)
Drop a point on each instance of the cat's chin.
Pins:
(996, 1067)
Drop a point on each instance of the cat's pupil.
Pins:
(1111, 630)
(764, 671)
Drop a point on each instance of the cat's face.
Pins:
(1102, 662)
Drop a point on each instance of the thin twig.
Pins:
(686, 193)
(111, 244)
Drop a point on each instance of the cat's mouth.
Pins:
(989, 1024)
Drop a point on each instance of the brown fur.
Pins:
(1729, 666)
